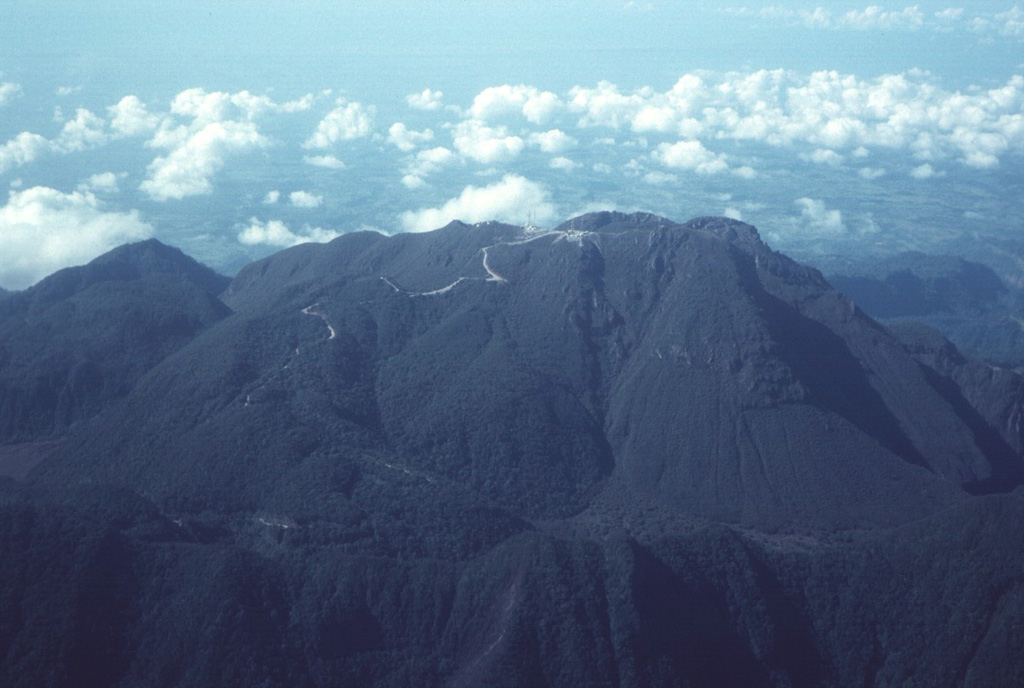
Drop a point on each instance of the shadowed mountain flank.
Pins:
(625, 451)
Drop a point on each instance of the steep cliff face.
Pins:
(622, 452)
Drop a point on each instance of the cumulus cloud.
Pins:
(350, 120)
(129, 117)
(276, 233)
(485, 144)
(875, 17)
(513, 199)
(823, 156)
(187, 169)
(426, 163)
(426, 99)
(22, 149)
(690, 155)
(200, 132)
(827, 110)
(502, 101)
(329, 162)
(43, 230)
(871, 172)
(8, 92)
(819, 219)
(604, 105)
(406, 139)
(1009, 23)
(660, 178)
(552, 141)
(272, 197)
(304, 199)
(925, 171)
(85, 131)
(563, 163)
(104, 182)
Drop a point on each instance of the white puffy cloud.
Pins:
(426, 163)
(426, 99)
(350, 120)
(819, 219)
(22, 149)
(875, 17)
(502, 101)
(304, 199)
(563, 163)
(272, 197)
(823, 156)
(827, 110)
(43, 230)
(129, 117)
(552, 141)
(513, 199)
(104, 182)
(329, 162)
(85, 131)
(660, 178)
(925, 171)
(733, 213)
(195, 157)
(406, 139)
(871, 172)
(201, 130)
(277, 233)
(485, 144)
(606, 106)
(8, 92)
(690, 155)
(1009, 23)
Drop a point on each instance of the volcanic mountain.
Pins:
(625, 451)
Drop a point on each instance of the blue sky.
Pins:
(234, 128)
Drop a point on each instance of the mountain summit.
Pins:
(625, 451)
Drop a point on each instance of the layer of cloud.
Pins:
(200, 132)
(514, 199)
(830, 111)
(349, 120)
(405, 139)
(552, 141)
(426, 163)
(485, 144)
(427, 99)
(304, 199)
(188, 168)
(43, 230)
(818, 219)
(277, 234)
(329, 162)
(497, 102)
(8, 92)
(878, 18)
(690, 155)
(103, 182)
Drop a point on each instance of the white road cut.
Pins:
(308, 310)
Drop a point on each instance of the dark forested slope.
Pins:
(82, 337)
(624, 452)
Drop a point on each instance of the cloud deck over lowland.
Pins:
(276, 171)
